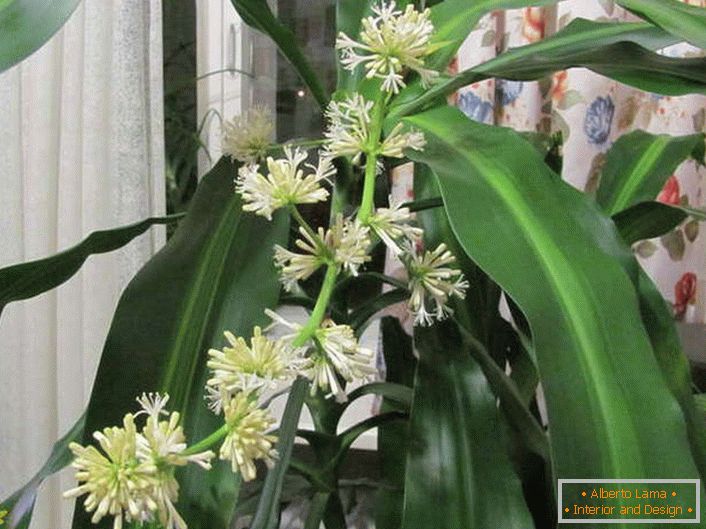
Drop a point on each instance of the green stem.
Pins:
(207, 442)
(303, 223)
(319, 312)
(367, 204)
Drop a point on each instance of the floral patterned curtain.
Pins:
(591, 112)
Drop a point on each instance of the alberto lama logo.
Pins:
(613, 501)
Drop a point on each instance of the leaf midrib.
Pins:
(560, 283)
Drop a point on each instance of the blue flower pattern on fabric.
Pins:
(509, 91)
(474, 107)
(599, 119)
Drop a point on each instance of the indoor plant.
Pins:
(587, 322)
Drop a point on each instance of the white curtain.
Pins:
(82, 150)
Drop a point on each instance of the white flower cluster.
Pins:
(332, 352)
(130, 474)
(349, 133)
(391, 42)
(131, 477)
(247, 137)
(284, 184)
(345, 244)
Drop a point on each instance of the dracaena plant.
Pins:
(179, 416)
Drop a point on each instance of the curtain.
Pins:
(82, 150)
(591, 112)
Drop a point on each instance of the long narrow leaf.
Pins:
(683, 20)
(458, 459)
(581, 304)
(638, 165)
(27, 24)
(596, 45)
(257, 13)
(455, 19)
(215, 274)
(26, 280)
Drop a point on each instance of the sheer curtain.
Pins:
(82, 150)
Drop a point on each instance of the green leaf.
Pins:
(215, 274)
(535, 236)
(458, 470)
(400, 394)
(680, 19)
(455, 19)
(400, 366)
(648, 220)
(27, 24)
(257, 14)
(612, 49)
(20, 505)
(511, 400)
(639, 164)
(26, 280)
(267, 514)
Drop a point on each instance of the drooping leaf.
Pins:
(579, 301)
(638, 165)
(27, 24)
(455, 19)
(617, 50)
(458, 461)
(400, 366)
(257, 14)
(215, 274)
(648, 220)
(267, 513)
(20, 505)
(26, 280)
(680, 19)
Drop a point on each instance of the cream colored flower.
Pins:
(431, 281)
(251, 368)
(247, 440)
(286, 183)
(247, 137)
(338, 353)
(345, 243)
(390, 42)
(116, 481)
(349, 241)
(162, 442)
(393, 226)
(348, 132)
(161, 447)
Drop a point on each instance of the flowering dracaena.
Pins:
(130, 474)
(391, 42)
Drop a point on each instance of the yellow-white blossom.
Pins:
(116, 481)
(432, 282)
(287, 182)
(337, 353)
(349, 241)
(393, 226)
(348, 132)
(391, 42)
(247, 439)
(161, 446)
(247, 137)
(345, 243)
(261, 365)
